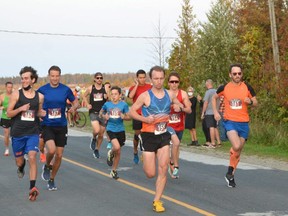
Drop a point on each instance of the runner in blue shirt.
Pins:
(54, 124)
(115, 111)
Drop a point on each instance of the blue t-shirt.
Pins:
(55, 104)
(115, 122)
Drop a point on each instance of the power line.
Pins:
(82, 35)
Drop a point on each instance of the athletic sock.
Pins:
(32, 183)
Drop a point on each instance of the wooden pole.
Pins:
(274, 38)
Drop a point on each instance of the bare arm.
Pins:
(41, 112)
(1, 101)
(205, 105)
(11, 112)
(133, 91)
(85, 95)
(75, 105)
(177, 106)
(187, 103)
(214, 107)
(107, 92)
(125, 116)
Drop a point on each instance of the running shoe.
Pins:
(93, 144)
(171, 170)
(51, 185)
(110, 157)
(114, 174)
(158, 206)
(230, 180)
(33, 193)
(136, 158)
(46, 172)
(20, 174)
(96, 153)
(6, 153)
(109, 145)
(175, 173)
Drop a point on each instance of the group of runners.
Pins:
(158, 116)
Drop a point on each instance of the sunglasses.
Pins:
(239, 74)
(99, 78)
(174, 81)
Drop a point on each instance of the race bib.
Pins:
(54, 113)
(174, 118)
(28, 115)
(114, 113)
(98, 97)
(160, 128)
(235, 104)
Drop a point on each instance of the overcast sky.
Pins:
(82, 54)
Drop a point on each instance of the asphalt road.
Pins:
(85, 187)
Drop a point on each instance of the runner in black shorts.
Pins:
(55, 123)
(134, 92)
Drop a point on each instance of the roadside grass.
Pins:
(264, 142)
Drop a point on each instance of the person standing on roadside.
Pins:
(208, 116)
(5, 120)
(134, 92)
(190, 119)
(115, 111)
(177, 120)
(24, 109)
(238, 95)
(154, 137)
(98, 95)
(54, 124)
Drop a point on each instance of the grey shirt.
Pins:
(208, 97)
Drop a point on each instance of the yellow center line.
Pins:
(178, 202)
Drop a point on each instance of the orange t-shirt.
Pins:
(235, 107)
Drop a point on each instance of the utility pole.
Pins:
(274, 38)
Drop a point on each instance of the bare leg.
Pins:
(163, 159)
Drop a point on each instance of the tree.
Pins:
(159, 46)
(216, 46)
(183, 48)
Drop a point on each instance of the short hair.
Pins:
(30, 69)
(174, 73)
(190, 88)
(8, 83)
(140, 72)
(210, 81)
(156, 68)
(55, 68)
(235, 65)
(98, 74)
(116, 88)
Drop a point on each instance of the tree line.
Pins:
(236, 32)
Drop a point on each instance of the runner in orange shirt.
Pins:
(237, 96)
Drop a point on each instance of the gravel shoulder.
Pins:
(266, 162)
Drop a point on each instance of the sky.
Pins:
(88, 52)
